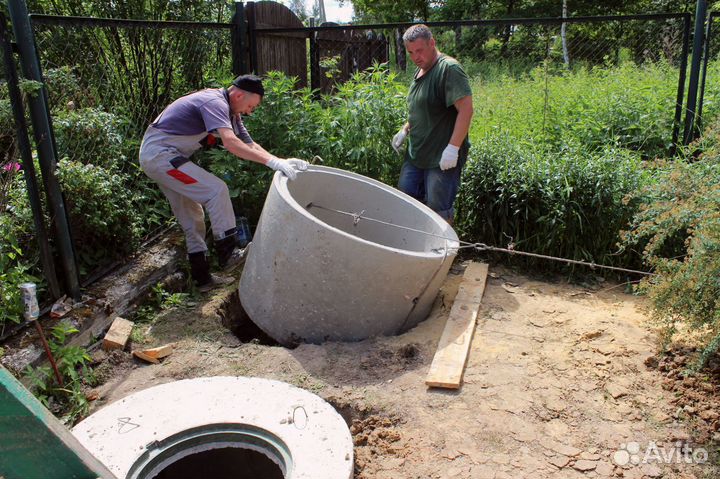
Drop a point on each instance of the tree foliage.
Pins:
(138, 70)
(426, 10)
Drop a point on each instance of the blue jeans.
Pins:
(434, 187)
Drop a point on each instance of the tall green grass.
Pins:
(628, 106)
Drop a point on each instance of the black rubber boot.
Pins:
(225, 248)
(200, 268)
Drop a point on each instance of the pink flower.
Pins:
(13, 166)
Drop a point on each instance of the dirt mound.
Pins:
(695, 395)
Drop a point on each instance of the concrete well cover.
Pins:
(315, 272)
(310, 439)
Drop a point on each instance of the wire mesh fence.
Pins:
(598, 81)
(536, 74)
(107, 80)
(133, 69)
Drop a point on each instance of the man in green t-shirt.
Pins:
(439, 114)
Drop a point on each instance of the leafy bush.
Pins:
(63, 87)
(351, 129)
(91, 136)
(679, 225)
(567, 203)
(360, 120)
(288, 122)
(102, 214)
(13, 272)
(7, 131)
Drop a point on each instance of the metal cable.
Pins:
(478, 246)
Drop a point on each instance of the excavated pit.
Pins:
(235, 318)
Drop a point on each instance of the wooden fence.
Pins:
(318, 59)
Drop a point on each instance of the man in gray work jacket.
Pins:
(186, 125)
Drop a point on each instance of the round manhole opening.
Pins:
(228, 451)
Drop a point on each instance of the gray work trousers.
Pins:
(189, 188)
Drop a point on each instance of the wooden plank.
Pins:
(118, 334)
(153, 355)
(159, 352)
(446, 370)
(142, 355)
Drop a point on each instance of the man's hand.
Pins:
(398, 140)
(449, 157)
(284, 166)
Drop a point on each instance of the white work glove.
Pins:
(300, 165)
(284, 166)
(449, 157)
(398, 139)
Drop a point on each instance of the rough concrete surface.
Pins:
(313, 274)
(556, 385)
(316, 438)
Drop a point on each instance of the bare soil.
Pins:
(562, 381)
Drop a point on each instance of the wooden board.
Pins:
(159, 352)
(118, 335)
(142, 355)
(153, 355)
(448, 365)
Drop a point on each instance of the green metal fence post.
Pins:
(239, 40)
(252, 36)
(681, 83)
(706, 57)
(33, 192)
(44, 141)
(698, 33)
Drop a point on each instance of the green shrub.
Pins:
(288, 122)
(13, 272)
(351, 129)
(63, 87)
(103, 217)
(678, 227)
(67, 401)
(359, 122)
(567, 203)
(7, 131)
(91, 136)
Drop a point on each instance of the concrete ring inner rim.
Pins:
(163, 453)
(451, 240)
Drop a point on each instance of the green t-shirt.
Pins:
(432, 113)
